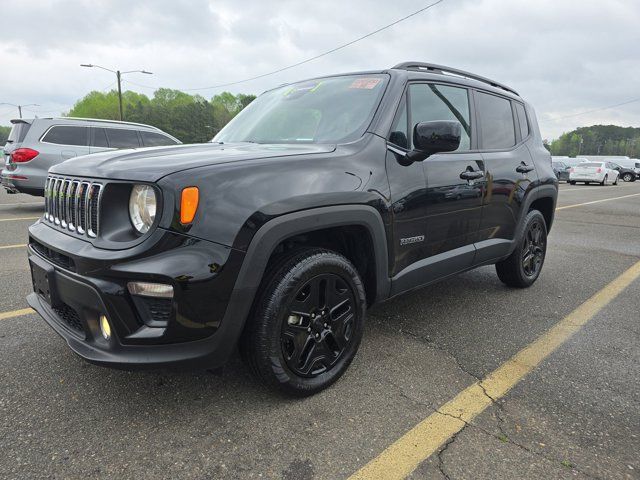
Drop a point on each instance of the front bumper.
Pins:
(189, 332)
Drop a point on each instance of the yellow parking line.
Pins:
(16, 313)
(597, 201)
(17, 218)
(3, 247)
(415, 446)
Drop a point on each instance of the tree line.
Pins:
(190, 118)
(598, 140)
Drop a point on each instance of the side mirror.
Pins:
(434, 137)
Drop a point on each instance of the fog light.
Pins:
(146, 289)
(105, 328)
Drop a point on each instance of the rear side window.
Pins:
(430, 102)
(522, 120)
(122, 138)
(18, 132)
(99, 138)
(67, 135)
(151, 139)
(496, 121)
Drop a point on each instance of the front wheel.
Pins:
(524, 265)
(307, 322)
(616, 180)
(604, 180)
(572, 182)
(627, 177)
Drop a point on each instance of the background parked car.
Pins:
(561, 170)
(34, 145)
(626, 174)
(594, 172)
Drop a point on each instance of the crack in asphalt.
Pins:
(497, 414)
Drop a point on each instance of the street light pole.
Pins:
(19, 107)
(119, 79)
(118, 76)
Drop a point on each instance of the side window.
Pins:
(399, 135)
(99, 138)
(496, 120)
(430, 102)
(522, 120)
(151, 139)
(67, 135)
(122, 138)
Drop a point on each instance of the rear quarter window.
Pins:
(152, 139)
(67, 135)
(522, 120)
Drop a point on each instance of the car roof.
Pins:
(433, 72)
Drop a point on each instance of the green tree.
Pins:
(190, 118)
(4, 134)
(598, 140)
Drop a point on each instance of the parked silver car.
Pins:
(34, 145)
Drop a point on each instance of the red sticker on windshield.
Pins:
(365, 83)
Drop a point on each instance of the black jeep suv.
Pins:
(318, 200)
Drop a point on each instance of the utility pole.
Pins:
(119, 79)
(19, 107)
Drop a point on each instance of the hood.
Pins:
(151, 164)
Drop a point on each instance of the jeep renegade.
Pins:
(318, 200)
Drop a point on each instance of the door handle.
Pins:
(471, 174)
(524, 168)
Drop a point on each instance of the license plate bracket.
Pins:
(43, 279)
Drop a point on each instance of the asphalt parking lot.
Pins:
(574, 414)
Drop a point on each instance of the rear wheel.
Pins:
(572, 182)
(524, 265)
(604, 180)
(307, 323)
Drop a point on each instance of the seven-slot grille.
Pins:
(73, 204)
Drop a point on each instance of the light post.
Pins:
(20, 106)
(118, 77)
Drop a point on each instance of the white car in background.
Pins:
(594, 172)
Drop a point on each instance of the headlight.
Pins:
(142, 207)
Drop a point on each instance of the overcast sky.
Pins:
(564, 56)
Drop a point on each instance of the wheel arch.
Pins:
(272, 234)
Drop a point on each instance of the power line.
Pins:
(597, 109)
(333, 50)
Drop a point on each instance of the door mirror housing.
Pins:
(434, 137)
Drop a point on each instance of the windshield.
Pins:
(326, 110)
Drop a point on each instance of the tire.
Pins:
(307, 354)
(616, 181)
(604, 181)
(522, 268)
(572, 182)
(627, 177)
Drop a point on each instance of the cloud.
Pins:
(564, 57)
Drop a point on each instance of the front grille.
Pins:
(73, 204)
(69, 315)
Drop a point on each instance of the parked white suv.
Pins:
(34, 145)
(594, 172)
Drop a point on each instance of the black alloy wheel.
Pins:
(533, 249)
(318, 326)
(307, 321)
(522, 268)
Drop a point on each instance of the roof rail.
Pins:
(441, 69)
(104, 120)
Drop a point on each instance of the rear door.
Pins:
(509, 171)
(122, 138)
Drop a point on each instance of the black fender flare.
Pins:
(272, 233)
(536, 193)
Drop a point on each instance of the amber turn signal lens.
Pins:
(188, 204)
